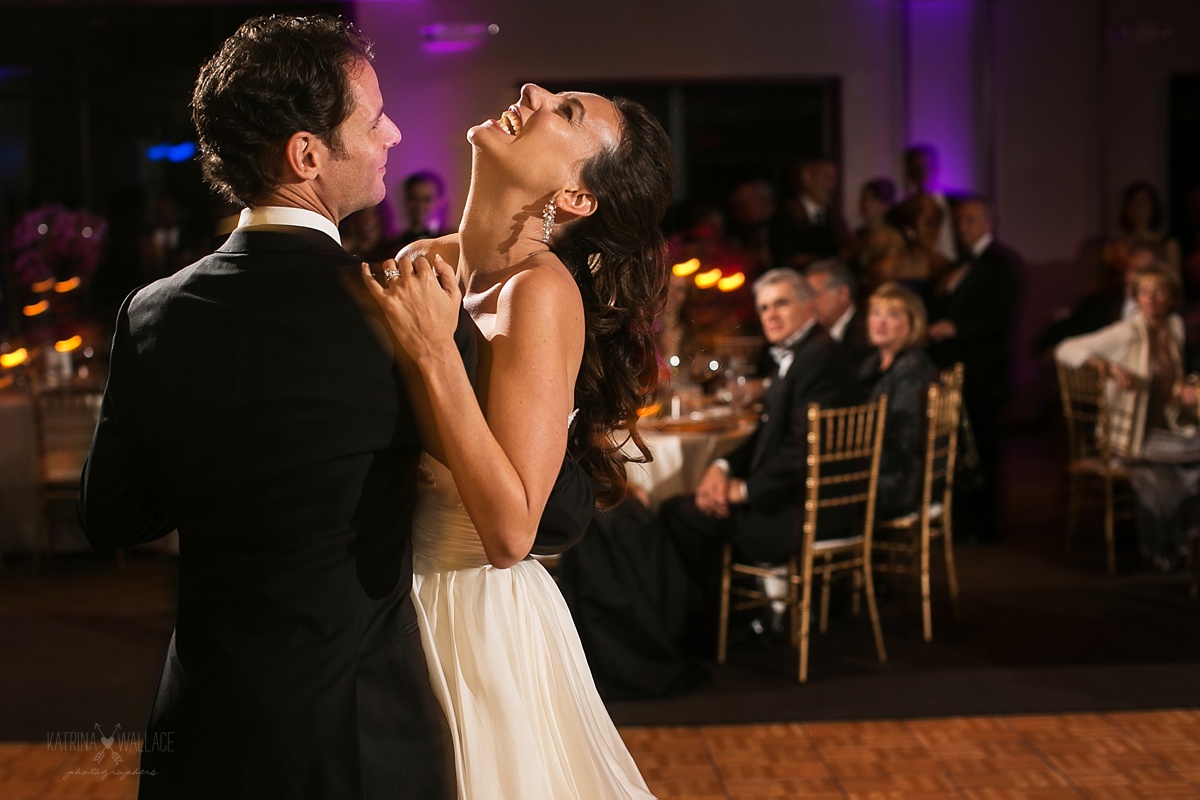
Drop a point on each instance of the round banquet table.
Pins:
(683, 449)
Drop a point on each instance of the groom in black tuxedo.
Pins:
(254, 405)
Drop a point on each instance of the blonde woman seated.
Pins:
(1151, 412)
(899, 368)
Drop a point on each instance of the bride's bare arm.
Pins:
(505, 463)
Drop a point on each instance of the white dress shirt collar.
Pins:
(984, 243)
(838, 329)
(786, 359)
(296, 217)
(816, 213)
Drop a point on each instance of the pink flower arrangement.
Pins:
(57, 242)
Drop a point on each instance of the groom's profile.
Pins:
(255, 407)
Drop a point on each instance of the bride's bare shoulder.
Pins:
(544, 290)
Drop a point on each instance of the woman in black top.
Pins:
(899, 368)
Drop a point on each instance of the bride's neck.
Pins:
(498, 231)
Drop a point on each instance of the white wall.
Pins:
(434, 98)
(1057, 116)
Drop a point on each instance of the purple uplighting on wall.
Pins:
(943, 75)
(456, 38)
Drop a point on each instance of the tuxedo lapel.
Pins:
(777, 402)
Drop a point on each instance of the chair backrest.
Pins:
(952, 377)
(65, 416)
(943, 408)
(1089, 430)
(842, 466)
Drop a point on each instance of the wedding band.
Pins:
(391, 273)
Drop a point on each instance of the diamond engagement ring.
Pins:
(391, 273)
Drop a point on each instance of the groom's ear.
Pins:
(303, 155)
(577, 202)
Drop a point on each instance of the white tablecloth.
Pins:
(680, 460)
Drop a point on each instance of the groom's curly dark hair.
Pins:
(273, 77)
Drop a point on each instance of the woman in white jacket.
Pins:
(1151, 412)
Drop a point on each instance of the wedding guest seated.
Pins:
(1151, 413)
(900, 368)
(752, 497)
(835, 293)
(1103, 307)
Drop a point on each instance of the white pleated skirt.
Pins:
(507, 665)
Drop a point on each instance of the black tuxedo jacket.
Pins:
(983, 309)
(254, 405)
(771, 461)
(1095, 311)
(855, 338)
(797, 241)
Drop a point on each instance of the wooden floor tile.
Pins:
(1036, 757)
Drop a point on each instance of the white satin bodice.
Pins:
(443, 534)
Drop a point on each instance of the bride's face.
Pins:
(543, 139)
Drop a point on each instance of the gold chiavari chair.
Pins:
(1093, 463)
(842, 470)
(65, 417)
(904, 544)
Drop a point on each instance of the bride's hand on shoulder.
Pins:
(421, 301)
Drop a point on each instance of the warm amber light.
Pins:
(14, 359)
(731, 282)
(650, 410)
(686, 268)
(42, 286)
(67, 345)
(37, 308)
(65, 286)
(708, 279)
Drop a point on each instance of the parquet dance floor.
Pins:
(1153, 754)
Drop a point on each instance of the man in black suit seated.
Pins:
(255, 406)
(835, 295)
(973, 309)
(753, 496)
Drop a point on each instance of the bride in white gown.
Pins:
(561, 266)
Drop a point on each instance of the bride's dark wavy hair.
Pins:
(618, 256)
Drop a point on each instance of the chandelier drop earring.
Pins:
(548, 220)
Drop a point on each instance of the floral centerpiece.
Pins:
(55, 251)
(56, 243)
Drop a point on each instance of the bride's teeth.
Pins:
(512, 121)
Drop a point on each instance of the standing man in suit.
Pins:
(973, 309)
(424, 207)
(808, 227)
(254, 405)
(752, 497)
(835, 296)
